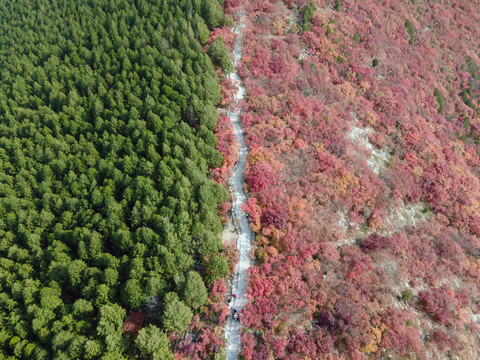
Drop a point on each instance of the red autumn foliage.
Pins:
(400, 338)
(227, 147)
(444, 341)
(133, 323)
(277, 217)
(363, 178)
(260, 176)
(226, 33)
(438, 303)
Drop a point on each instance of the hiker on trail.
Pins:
(235, 317)
(234, 311)
(234, 296)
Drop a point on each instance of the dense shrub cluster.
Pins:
(106, 137)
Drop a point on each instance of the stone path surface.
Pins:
(245, 234)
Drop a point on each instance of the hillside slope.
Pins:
(362, 120)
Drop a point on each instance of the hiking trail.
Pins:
(239, 217)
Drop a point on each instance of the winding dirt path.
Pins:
(245, 234)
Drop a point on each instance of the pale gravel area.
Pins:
(229, 234)
(245, 234)
(399, 216)
(379, 158)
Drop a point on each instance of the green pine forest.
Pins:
(107, 112)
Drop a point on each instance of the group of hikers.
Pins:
(236, 315)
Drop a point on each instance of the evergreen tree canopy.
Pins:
(107, 113)
(154, 344)
(194, 292)
(176, 315)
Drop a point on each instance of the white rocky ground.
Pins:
(380, 157)
(398, 216)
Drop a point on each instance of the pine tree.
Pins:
(194, 292)
(176, 315)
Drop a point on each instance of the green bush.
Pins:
(440, 100)
(329, 30)
(307, 12)
(194, 292)
(220, 55)
(338, 6)
(176, 315)
(153, 344)
(217, 267)
(407, 295)
(410, 30)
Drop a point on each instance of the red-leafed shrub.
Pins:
(278, 346)
(462, 297)
(437, 303)
(133, 323)
(248, 342)
(229, 4)
(300, 344)
(324, 341)
(401, 336)
(260, 176)
(376, 242)
(443, 340)
(277, 217)
(326, 319)
(226, 33)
